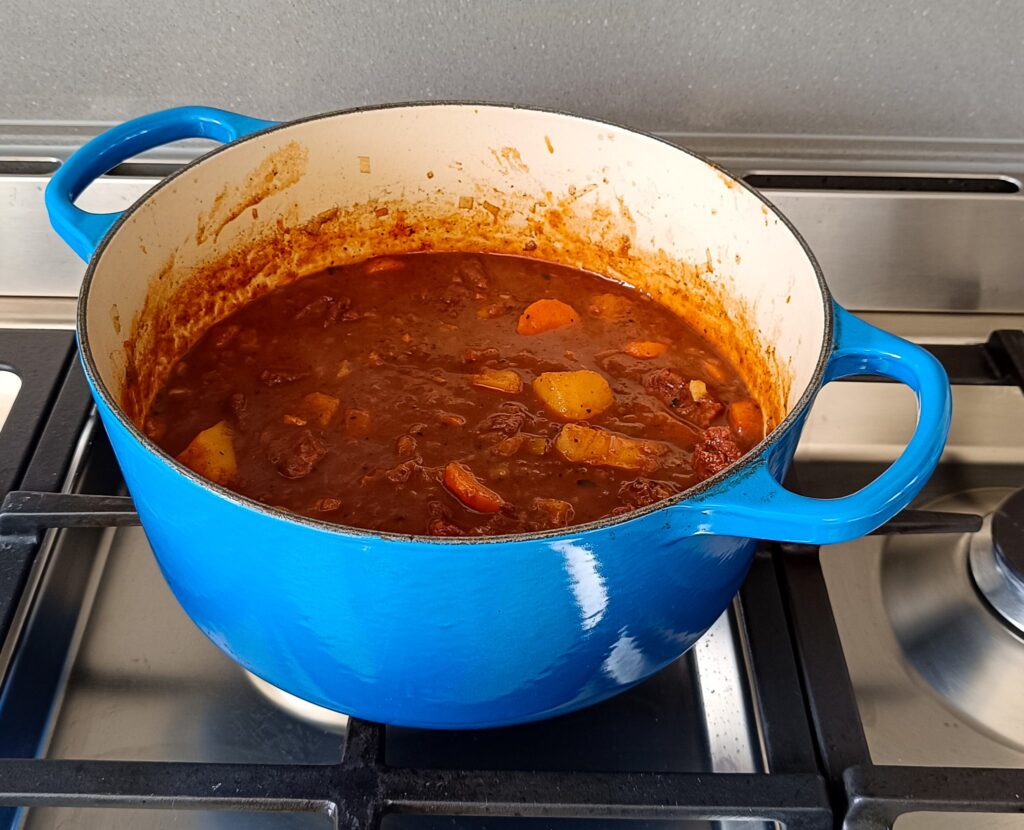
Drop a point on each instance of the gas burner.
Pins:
(300, 709)
(956, 604)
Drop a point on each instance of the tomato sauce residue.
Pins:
(454, 394)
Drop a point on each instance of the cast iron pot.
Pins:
(433, 632)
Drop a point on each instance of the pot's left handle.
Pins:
(83, 230)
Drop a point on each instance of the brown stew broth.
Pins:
(381, 395)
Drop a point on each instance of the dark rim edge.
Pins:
(752, 456)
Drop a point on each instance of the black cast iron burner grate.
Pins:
(359, 790)
(871, 796)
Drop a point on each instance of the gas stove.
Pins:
(859, 685)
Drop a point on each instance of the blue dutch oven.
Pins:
(459, 633)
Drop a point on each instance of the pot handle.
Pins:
(83, 230)
(754, 504)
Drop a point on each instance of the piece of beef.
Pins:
(275, 377)
(673, 390)
(294, 452)
(324, 308)
(642, 492)
(715, 451)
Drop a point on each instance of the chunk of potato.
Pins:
(212, 454)
(535, 445)
(499, 471)
(492, 311)
(611, 307)
(581, 444)
(644, 349)
(323, 406)
(546, 315)
(575, 396)
(501, 380)
(698, 390)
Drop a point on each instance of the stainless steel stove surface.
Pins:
(100, 663)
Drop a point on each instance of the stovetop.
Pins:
(814, 700)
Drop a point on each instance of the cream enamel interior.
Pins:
(458, 177)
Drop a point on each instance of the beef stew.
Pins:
(453, 395)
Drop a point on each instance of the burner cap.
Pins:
(997, 559)
(1008, 534)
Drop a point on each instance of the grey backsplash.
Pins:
(945, 68)
(934, 88)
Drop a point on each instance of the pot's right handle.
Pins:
(83, 230)
(754, 504)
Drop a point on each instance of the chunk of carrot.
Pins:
(747, 421)
(468, 489)
(501, 380)
(546, 315)
(644, 349)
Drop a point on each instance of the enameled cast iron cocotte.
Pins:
(452, 632)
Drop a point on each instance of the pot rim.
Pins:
(746, 461)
